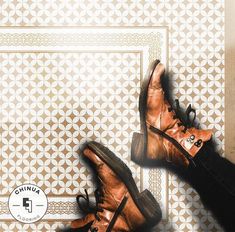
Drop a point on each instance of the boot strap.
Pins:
(116, 214)
(174, 142)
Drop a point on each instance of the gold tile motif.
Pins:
(55, 98)
(196, 57)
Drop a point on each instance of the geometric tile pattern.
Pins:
(54, 98)
(51, 103)
(196, 57)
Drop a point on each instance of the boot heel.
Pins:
(150, 208)
(137, 148)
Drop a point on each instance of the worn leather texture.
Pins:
(160, 116)
(114, 190)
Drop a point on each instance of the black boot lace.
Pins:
(87, 207)
(186, 121)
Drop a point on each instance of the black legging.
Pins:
(213, 177)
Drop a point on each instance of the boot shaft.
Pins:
(163, 135)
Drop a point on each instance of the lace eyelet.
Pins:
(192, 137)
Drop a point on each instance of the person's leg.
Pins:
(214, 179)
(166, 137)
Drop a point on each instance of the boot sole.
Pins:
(145, 201)
(140, 140)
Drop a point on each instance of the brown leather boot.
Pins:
(163, 136)
(120, 206)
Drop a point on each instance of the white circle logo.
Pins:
(28, 203)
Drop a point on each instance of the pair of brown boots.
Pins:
(119, 205)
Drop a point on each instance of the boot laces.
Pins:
(185, 122)
(95, 209)
(87, 207)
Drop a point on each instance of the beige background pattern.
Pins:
(54, 102)
(196, 52)
(54, 98)
(230, 81)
